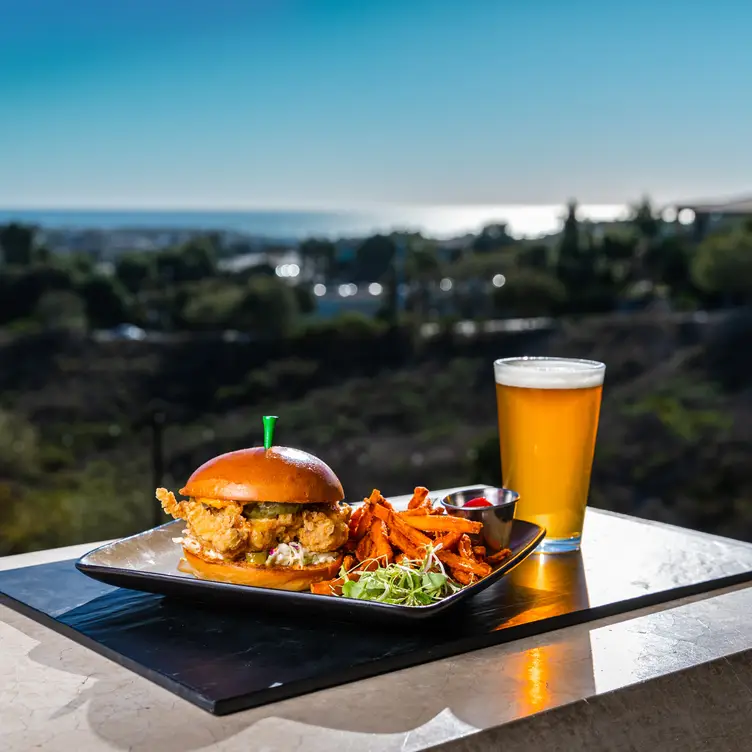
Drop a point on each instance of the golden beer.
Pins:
(548, 419)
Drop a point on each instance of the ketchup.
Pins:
(478, 501)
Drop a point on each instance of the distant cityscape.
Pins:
(251, 239)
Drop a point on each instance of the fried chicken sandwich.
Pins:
(269, 518)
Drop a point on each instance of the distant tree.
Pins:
(423, 268)
(43, 255)
(198, 260)
(644, 220)
(22, 287)
(106, 301)
(193, 261)
(61, 309)
(135, 270)
(723, 265)
(211, 304)
(535, 256)
(268, 308)
(569, 259)
(264, 269)
(667, 262)
(528, 293)
(577, 260)
(17, 244)
(373, 258)
(19, 447)
(322, 255)
(647, 227)
(168, 264)
(492, 237)
(482, 266)
(304, 299)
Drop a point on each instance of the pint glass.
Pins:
(548, 419)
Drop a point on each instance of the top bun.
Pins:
(279, 474)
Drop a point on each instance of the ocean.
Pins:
(433, 221)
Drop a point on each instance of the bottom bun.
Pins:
(279, 578)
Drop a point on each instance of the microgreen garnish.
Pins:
(418, 582)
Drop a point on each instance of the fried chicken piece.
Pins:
(219, 528)
(264, 534)
(323, 531)
(223, 527)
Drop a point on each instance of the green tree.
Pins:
(644, 219)
(577, 257)
(569, 256)
(322, 254)
(17, 243)
(210, 305)
(529, 293)
(535, 256)
(268, 308)
(106, 301)
(492, 238)
(135, 271)
(373, 258)
(647, 228)
(19, 446)
(723, 265)
(304, 299)
(22, 287)
(198, 259)
(193, 261)
(667, 262)
(61, 309)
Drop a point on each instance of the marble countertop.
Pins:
(675, 676)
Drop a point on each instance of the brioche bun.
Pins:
(278, 578)
(279, 474)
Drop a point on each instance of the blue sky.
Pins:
(301, 103)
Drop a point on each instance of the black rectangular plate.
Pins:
(149, 562)
(228, 659)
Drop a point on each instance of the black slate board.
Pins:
(225, 661)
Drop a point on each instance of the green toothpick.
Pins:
(269, 421)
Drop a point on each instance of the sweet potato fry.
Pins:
(364, 523)
(417, 511)
(404, 544)
(465, 565)
(448, 541)
(322, 588)
(381, 549)
(464, 578)
(479, 551)
(420, 498)
(499, 556)
(328, 587)
(348, 562)
(437, 523)
(354, 520)
(332, 587)
(377, 498)
(365, 547)
(465, 548)
(395, 522)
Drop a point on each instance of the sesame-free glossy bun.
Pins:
(279, 578)
(279, 474)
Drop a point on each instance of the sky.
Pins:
(238, 104)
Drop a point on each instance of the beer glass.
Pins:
(548, 412)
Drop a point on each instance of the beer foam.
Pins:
(549, 373)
